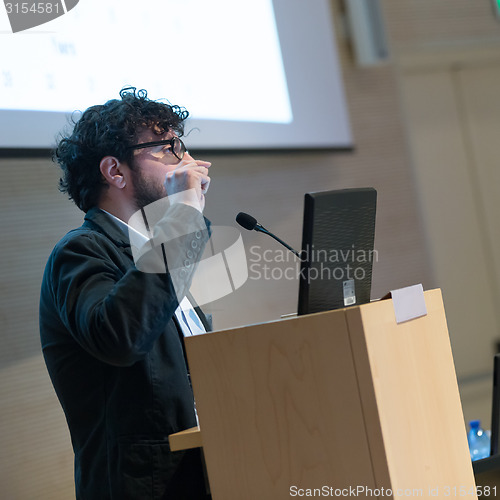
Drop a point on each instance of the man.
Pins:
(111, 333)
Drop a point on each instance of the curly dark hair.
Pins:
(109, 129)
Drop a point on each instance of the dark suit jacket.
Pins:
(114, 352)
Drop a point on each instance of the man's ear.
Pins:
(113, 172)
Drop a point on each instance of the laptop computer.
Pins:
(337, 249)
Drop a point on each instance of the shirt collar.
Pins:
(136, 238)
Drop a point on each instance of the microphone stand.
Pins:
(262, 229)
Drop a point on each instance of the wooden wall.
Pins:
(447, 55)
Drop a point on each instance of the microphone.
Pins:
(250, 223)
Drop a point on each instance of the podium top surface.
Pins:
(434, 294)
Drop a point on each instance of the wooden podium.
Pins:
(346, 402)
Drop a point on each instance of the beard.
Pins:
(146, 191)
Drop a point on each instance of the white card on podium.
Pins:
(409, 303)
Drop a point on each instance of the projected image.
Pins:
(253, 74)
(205, 55)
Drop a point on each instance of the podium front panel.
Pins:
(279, 408)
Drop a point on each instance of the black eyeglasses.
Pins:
(177, 147)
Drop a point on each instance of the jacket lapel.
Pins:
(100, 221)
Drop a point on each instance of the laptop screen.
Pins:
(337, 249)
